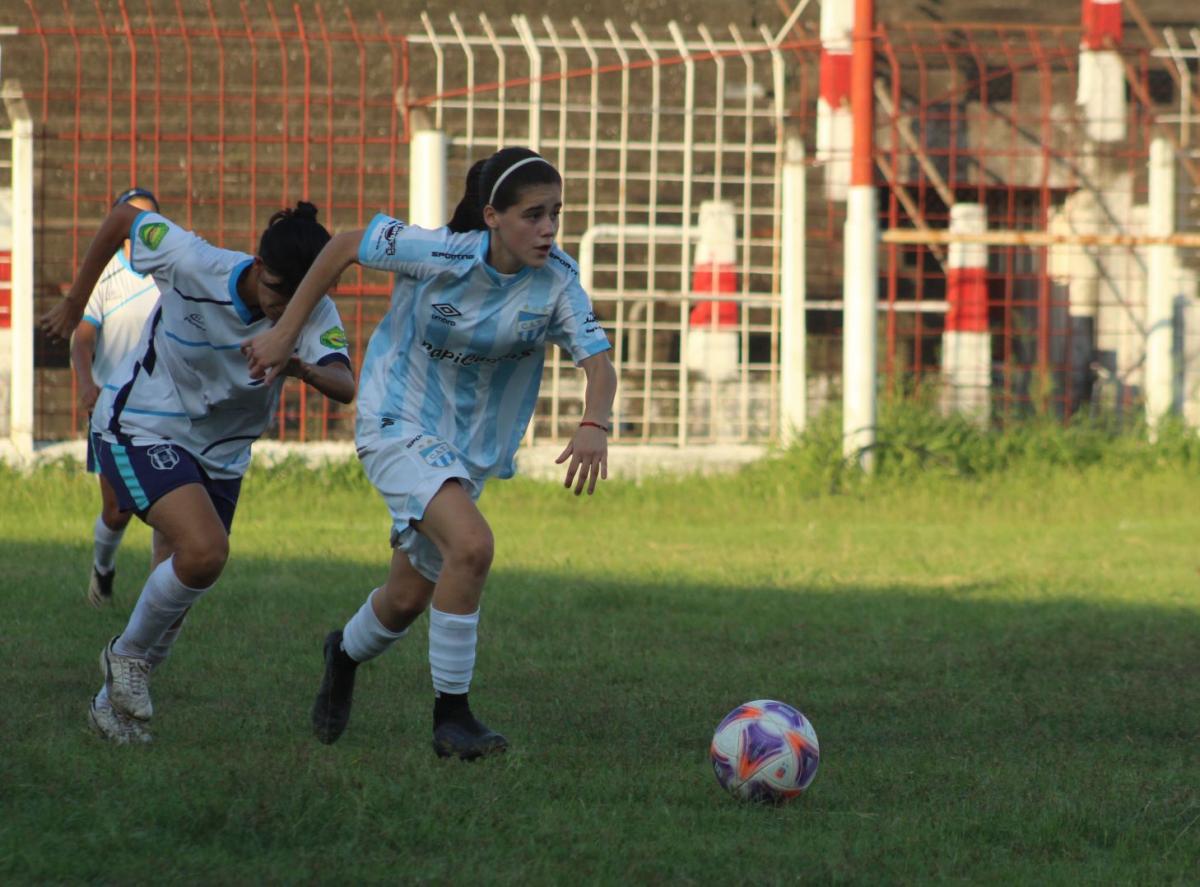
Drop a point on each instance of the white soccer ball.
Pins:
(765, 751)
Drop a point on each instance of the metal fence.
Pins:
(674, 147)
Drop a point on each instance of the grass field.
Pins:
(1002, 671)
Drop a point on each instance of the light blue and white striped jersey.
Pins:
(459, 354)
(118, 308)
(187, 380)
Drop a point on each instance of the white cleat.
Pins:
(128, 683)
(117, 728)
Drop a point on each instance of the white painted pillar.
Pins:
(966, 343)
(1100, 90)
(427, 179)
(834, 119)
(21, 396)
(793, 359)
(1160, 289)
(860, 293)
(860, 278)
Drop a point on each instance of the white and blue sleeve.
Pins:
(573, 325)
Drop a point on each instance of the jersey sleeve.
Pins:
(573, 325)
(93, 312)
(324, 338)
(159, 246)
(392, 245)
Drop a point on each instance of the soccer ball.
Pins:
(765, 751)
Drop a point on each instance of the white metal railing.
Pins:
(645, 127)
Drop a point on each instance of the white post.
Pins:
(21, 397)
(793, 381)
(966, 344)
(427, 179)
(1160, 289)
(860, 280)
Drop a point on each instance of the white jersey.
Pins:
(118, 308)
(459, 354)
(187, 380)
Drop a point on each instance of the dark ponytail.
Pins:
(468, 215)
(290, 244)
(482, 179)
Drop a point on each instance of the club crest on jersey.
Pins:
(334, 337)
(152, 235)
(163, 457)
(531, 326)
(439, 455)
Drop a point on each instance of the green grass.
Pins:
(1000, 660)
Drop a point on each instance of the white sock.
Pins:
(158, 654)
(452, 650)
(162, 601)
(364, 636)
(102, 698)
(107, 541)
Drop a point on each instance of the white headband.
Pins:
(517, 165)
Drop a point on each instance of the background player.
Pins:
(112, 323)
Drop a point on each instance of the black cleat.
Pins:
(100, 589)
(331, 709)
(466, 738)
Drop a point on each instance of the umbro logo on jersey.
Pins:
(196, 320)
(445, 312)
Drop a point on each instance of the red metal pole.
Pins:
(862, 93)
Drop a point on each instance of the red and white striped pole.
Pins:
(834, 118)
(860, 279)
(1101, 88)
(966, 345)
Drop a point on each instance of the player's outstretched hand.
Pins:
(588, 452)
(268, 354)
(60, 321)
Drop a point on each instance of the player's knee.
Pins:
(199, 562)
(474, 552)
(113, 518)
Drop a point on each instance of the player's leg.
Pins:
(106, 538)
(455, 525)
(188, 521)
(382, 620)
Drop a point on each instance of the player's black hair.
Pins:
(290, 244)
(132, 193)
(482, 178)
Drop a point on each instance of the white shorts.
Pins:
(408, 471)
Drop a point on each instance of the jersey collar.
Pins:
(502, 280)
(125, 263)
(239, 306)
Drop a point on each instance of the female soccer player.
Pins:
(172, 428)
(112, 322)
(449, 383)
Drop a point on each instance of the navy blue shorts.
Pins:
(93, 467)
(143, 475)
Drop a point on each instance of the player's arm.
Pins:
(268, 354)
(83, 351)
(588, 449)
(333, 379)
(62, 320)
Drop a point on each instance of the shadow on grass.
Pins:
(920, 696)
